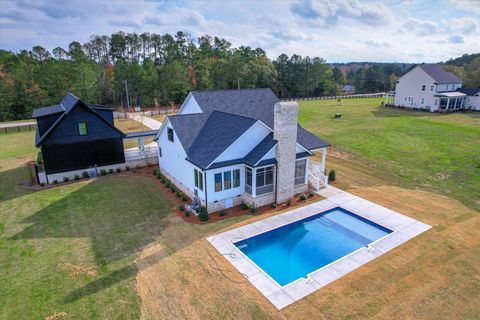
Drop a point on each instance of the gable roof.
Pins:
(67, 104)
(219, 132)
(228, 113)
(438, 74)
(257, 153)
(469, 91)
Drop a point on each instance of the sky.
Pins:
(336, 30)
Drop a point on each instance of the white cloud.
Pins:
(420, 27)
(464, 26)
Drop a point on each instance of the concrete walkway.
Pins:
(147, 121)
(404, 228)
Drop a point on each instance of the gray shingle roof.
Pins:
(46, 111)
(469, 91)
(219, 132)
(439, 74)
(234, 112)
(139, 134)
(260, 150)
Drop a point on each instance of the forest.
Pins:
(159, 70)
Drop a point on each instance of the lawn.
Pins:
(114, 248)
(430, 151)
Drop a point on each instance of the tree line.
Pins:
(160, 70)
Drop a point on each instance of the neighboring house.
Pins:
(472, 101)
(429, 87)
(348, 88)
(73, 135)
(231, 146)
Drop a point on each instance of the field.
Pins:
(429, 151)
(115, 248)
(130, 125)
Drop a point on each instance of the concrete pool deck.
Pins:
(404, 228)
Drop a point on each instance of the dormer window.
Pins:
(170, 134)
(423, 88)
(432, 87)
(82, 128)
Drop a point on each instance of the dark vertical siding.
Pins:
(81, 155)
(45, 123)
(67, 130)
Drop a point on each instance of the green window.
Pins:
(218, 182)
(82, 129)
(198, 179)
(227, 180)
(236, 178)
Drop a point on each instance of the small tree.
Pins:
(203, 214)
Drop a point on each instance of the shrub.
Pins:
(181, 207)
(253, 209)
(203, 214)
(42, 184)
(103, 172)
(55, 181)
(172, 188)
(178, 194)
(118, 170)
(303, 197)
(244, 206)
(187, 213)
(167, 184)
(332, 175)
(66, 179)
(222, 213)
(273, 205)
(184, 198)
(156, 171)
(127, 168)
(85, 175)
(110, 170)
(76, 177)
(289, 202)
(162, 180)
(311, 194)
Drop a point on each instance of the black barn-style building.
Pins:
(74, 135)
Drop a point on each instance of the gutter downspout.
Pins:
(205, 186)
(276, 184)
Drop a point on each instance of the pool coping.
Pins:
(404, 228)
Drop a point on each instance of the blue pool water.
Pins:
(297, 249)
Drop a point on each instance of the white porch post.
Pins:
(141, 144)
(448, 103)
(324, 158)
(254, 182)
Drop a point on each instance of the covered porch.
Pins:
(142, 151)
(450, 101)
(390, 98)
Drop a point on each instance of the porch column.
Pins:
(254, 182)
(324, 158)
(141, 144)
(448, 103)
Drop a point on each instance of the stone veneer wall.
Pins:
(285, 132)
(220, 205)
(301, 188)
(259, 201)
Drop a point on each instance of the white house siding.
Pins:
(173, 162)
(190, 106)
(410, 86)
(473, 102)
(448, 87)
(216, 199)
(269, 155)
(245, 143)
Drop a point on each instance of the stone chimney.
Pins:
(285, 132)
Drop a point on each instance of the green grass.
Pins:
(72, 248)
(436, 152)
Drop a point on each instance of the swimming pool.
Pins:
(297, 249)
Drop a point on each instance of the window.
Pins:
(432, 87)
(423, 101)
(264, 180)
(406, 98)
(218, 182)
(300, 170)
(236, 178)
(248, 180)
(423, 88)
(227, 180)
(197, 175)
(82, 129)
(170, 134)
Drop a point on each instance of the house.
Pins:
(472, 101)
(73, 135)
(348, 88)
(428, 87)
(226, 147)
